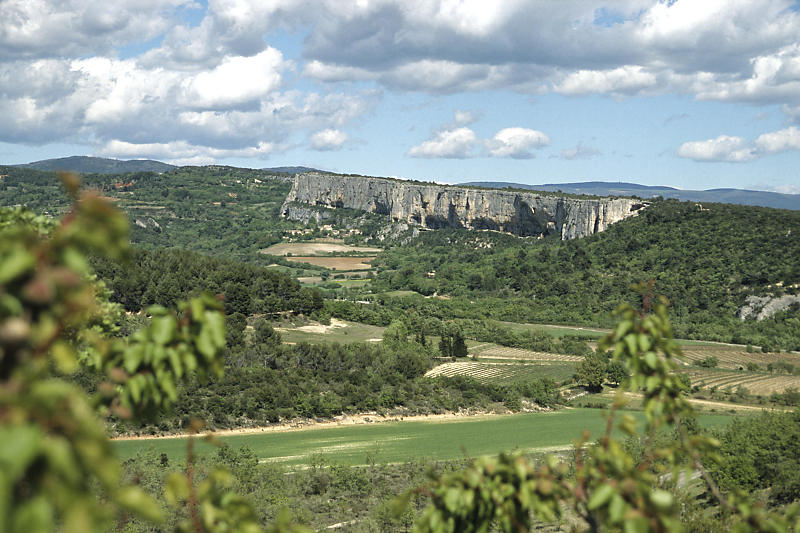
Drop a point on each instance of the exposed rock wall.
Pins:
(438, 206)
(762, 307)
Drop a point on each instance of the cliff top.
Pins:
(468, 186)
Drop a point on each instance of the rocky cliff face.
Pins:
(438, 206)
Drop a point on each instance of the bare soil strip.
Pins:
(312, 248)
(344, 420)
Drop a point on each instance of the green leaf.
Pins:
(59, 455)
(75, 260)
(33, 516)
(177, 488)
(163, 327)
(661, 499)
(175, 361)
(18, 446)
(15, 264)
(205, 344)
(400, 504)
(135, 500)
(452, 499)
(636, 524)
(216, 322)
(630, 342)
(600, 496)
(132, 358)
(64, 356)
(617, 508)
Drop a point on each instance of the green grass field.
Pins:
(401, 441)
(400, 294)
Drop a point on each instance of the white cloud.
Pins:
(580, 151)
(333, 73)
(328, 139)
(463, 118)
(182, 151)
(627, 79)
(779, 141)
(723, 148)
(456, 141)
(452, 144)
(726, 50)
(216, 83)
(786, 189)
(738, 150)
(223, 108)
(71, 28)
(516, 143)
(236, 80)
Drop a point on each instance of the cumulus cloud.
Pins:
(721, 50)
(68, 28)
(715, 49)
(237, 107)
(328, 139)
(67, 73)
(738, 150)
(778, 141)
(628, 79)
(181, 151)
(236, 80)
(517, 143)
(455, 140)
(453, 144)
(723, 148)
(581, 151)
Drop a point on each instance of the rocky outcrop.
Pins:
(304, 214)
(438, 206)
(761, 307)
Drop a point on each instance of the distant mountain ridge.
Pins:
(606, 188)
(291, 170)
(99, 165)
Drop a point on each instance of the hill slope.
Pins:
(706, 261)
(99, 165)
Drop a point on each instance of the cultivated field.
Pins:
(335, 263)
(556, 331)
(316, 248)
(757, 383)
(497, 372)
(735, 357)
(407, 440)
(505, 364)
(496, 351)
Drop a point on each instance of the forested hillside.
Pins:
(99, 165)
(706, 260)
(165, 277)
(223, 211)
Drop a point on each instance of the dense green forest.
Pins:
(222, 211)
(266, 382)
(705, 260)
(165, 276)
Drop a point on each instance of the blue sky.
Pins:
(682, 93)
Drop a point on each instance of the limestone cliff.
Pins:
(438, 206)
